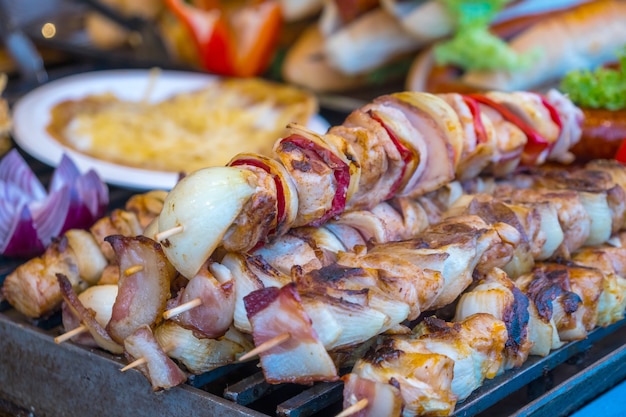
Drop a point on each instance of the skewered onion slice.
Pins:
(201, 354)
(205, 204)
(441, 113)
(100, 299)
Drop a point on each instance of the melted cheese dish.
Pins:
(185, 132)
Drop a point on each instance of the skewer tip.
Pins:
(265, 346)
(134, 364)
(133, 270)
(354, 408)
(182, 308)
(161, 236)
(68, 335)
(141, 361)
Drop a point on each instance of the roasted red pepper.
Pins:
(234, 41)
(536, 144)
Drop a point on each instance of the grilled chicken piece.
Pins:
(537, 224)
(574, 220)
(422, 377)
(442, 258)
(327, 291)
(497, 295)
(321, 176)
(33, 289)
(261, 215)
(480, 141)
(119, 222)
(290, 250)
(380, 160)
(76, 254)
(476, 346)
(412, 283)
(603, 198)
(567, 294)
(611, 262)
(146, 206)
(439, 364)
(251, 273)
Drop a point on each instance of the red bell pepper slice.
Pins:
(408, 157)
(620, 155)
(479, 127)
(231, 41)
(535, 144)
(554, 114)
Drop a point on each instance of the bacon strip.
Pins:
(159, 369)
(274, 312)
(144, 285)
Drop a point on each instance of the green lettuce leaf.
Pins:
(473, 46)
(602, 88)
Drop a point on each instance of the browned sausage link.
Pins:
(603, 132)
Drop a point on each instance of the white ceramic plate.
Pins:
(31, 116)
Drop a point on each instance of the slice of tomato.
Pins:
(234, 41)
(210, 33)
(256, 30)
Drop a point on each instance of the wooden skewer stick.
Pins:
(134, 364)
(141, 361)
(169, 232)
(182, 308)
(133, 270)
(267, 345)
(68, 335)
(153, 77)
(354, 408)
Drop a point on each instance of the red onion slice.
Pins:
(22, 239)
(30, 217)
(65, 173)
(50, 217)
(15, 170)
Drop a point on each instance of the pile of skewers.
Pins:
(344, 241)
